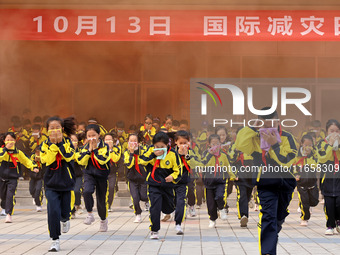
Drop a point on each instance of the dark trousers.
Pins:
(162, 199)
(243, 198)
(273, 211)
(215, 200)
(199, 192)
(7, 193)
(191, 193)
(92, 184)
(308, 197)
(332, 210)
(112, 187)
(35, 187)
(181, 191)
(138, 193)
(58, 209)
(77, 190)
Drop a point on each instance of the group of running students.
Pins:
(169, 168)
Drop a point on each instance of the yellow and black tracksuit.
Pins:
(330, 182)
(244, 184)
(307, 185)
(136, 176)
(115, 155)
(181, 188)
(161, 193)
(59, 180)
(34, 143)
(215, 172)
(10, 171)
(202, 141)
(36, 182)
(78, 187)
(96, 174)
(148, 134)
(275, 189)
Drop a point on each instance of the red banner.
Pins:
(178, 25)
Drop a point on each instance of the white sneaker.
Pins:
(103, 225)
(138, 219)
(304, 223)
(8, 219)
(212, 224)
(244, 221)
(55, 246)
(329, 231)
(179, 230)
(338, 226)
(256, 207)
(298, 210)
(223, 214)
(3, 212)
(147, 206)
(65, 226)
(322, 201)
(39, 209)
(33, 201)
(89, 219)
(110, 210)
(198, 207)
(192, 211)
(154, 235)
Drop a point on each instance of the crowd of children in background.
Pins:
(66, 160)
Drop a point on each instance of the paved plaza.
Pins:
(28, 234)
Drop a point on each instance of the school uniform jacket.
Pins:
(10, 163)
(58, 161)
(135, 172)
(280, 154)
(96, 163)
(212, 175)
(306, 168)
(148, 135)
(329, 162)
(158, 170)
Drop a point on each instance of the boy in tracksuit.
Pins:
(95, 157)
(275, 190)
(328, 158)
(215, 180)
(306, 178)
(244, 185)
(136, 175)
(10, 162)
(36, 181)
(189, 159)
(164, 170)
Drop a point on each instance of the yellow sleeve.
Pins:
(246, 140)
(177, 168)
(3, 153)
(128, 159)
(48, 154)
(325, 152)
(148, 157)
(27, 162)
